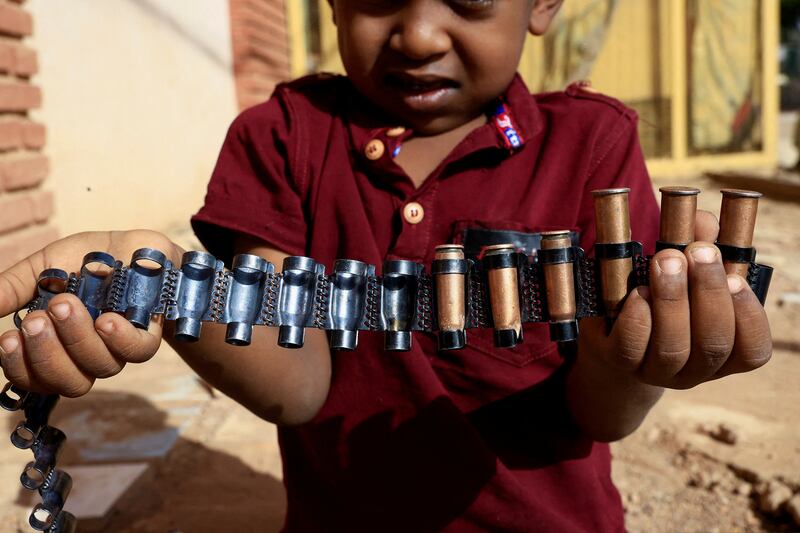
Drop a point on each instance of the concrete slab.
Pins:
(97, 488)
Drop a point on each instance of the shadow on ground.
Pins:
(189, 486)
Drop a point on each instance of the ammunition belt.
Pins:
(350, 299)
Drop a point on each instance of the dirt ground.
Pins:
(722, 457)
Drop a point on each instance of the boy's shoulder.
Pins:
(312, 97)
(322, 92)
(317, 84)
(581, 103)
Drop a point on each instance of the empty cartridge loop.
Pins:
(46, 450)
(502, 272)
(296, 302)
(144, 285)
(96, 271)
(243, 300)
(348, 294)
(51, 281)
(194, 294)
(399, 290)
(12, 398)
(37, 413)
(54, 494)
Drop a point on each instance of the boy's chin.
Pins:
(429, 126)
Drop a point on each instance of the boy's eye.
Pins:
(474, 4)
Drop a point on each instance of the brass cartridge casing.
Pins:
(558, 279)
(737, 222)
(612, 218)
(678, 209)
(450, 291)
(504, 292)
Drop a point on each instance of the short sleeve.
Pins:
(619, 162)
(253, 190)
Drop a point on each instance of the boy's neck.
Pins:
(421, 155)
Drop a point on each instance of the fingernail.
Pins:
(735, 284)
(34, 326)
(60, 311)
(704, 254)
(106, 327)
(644, 292)
(9, 345)
(670, 265)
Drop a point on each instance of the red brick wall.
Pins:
(260, 48)
(24, 207)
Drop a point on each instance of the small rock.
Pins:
(633, 498)
(793, 506)
(702, 480)
(743, 489)
(726, 434)
(751, 518)
(772, 495)
(654, 435)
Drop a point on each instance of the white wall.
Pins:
(138, 95)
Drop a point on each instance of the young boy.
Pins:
(430, 139)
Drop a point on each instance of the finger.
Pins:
(671, 340)
(13, 361)
(706, 226)
(75, 328)
(752, 346)
(126, 342)
(712, 318)
(631, 331)
(48, 362)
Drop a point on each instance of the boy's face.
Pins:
(435, 64)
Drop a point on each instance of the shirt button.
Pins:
(395, 132)
(374, 150)
(413, 213)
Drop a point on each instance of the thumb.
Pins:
(18, 283)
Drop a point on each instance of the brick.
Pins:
(34, 134)
(7, 56)
(42, 205)
(20, 244)
(23, 170)
(26, 61)
(11, 133)
(15, 21)
(19, 96)
(16, 211)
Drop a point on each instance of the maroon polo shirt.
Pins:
(472, 440)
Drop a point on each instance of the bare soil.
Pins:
(723, 457)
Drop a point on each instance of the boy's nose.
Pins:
(419, 33)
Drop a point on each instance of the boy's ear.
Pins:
(544, 11)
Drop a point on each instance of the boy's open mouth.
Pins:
(419, 85)
(424, 94)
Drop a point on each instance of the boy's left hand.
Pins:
(695, 323)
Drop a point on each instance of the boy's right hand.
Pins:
(61, 350)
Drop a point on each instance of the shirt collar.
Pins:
(514, 120)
